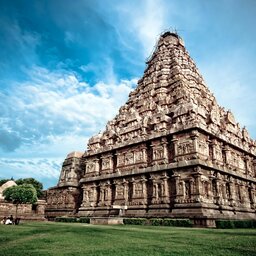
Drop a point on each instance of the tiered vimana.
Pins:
(171, 151)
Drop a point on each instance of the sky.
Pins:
(67, 66)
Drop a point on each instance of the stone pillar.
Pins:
(227, 155)
(218, 197)
(179, 193)
(245, 194)
(133, 188)
(144, 189)
(175, 148)
(210, 188)
(214, 144)
(165, 151)
(192, 191)
(85, 196)
(224, 192)
(126, 190)
(187, 190)
(97, 166)
(241, 186)
(102, 195)
(155, 196)
(247, 165)
(165, 190)
(108, 193)
(238, 193)
(144, 154)
(93, 195)
(232, 191)
(194, 138)
(198, 184)
(252, 195)
(254, 168)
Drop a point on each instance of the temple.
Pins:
(171, 151)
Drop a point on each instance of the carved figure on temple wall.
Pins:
(218, 153)
(90, 166)
(203, 147)
(187, 190)
(129, 158)
(86, 196)
(245, 134)
(158, 153)
(185, 148)
(214, 115)
(230, 118)
(91, 195)
(119, 191)
(105, 163)
(206, 189)
(138, 156)
(138, 189)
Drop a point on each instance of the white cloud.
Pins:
(45, 170)
(149, 24)
(54, 104)
(145, 20)
(24, 168)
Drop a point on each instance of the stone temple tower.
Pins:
(171, 151)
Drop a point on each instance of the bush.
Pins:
(156, 222)
(66, 219)
(235, 224)
(224, 224)
(135, 221)
(159, 222)
(177, 222)
(84, 220)
(72, 219)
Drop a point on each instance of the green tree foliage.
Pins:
(20, 194)
(37, 185)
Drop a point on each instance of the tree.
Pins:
(21, 194)
(37, 185)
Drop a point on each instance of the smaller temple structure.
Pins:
(65, 198)
(8, 184)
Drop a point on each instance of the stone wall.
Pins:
(188, 170)
(25, 211)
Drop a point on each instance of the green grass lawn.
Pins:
(47, 238)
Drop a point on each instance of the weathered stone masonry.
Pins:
(171, 151)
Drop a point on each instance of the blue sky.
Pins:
(67, 66)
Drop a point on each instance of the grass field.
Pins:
(80, 239)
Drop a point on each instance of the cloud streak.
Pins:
(46, 170)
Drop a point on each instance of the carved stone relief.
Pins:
(92, 166)
(185, 147)
(129, 158)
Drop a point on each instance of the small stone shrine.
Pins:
(171, 151)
